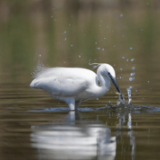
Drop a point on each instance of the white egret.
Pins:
(74, 85)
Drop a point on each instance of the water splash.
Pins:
(121, 99)
(129, 91)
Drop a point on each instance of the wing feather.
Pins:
(61, 87)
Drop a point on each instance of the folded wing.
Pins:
(60, 86)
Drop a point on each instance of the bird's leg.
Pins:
(71, 104)
(77, 104)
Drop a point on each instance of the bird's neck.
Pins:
(104, 85)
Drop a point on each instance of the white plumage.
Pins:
(73, 85)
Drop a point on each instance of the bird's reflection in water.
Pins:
(125, 121)
(75, 140)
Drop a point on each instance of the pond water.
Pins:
(35, 126)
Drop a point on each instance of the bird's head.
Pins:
(108, 71)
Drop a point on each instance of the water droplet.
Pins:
(97, 99)
(79, 56)
(136, 90)
(40, 55)
(51, 16)
(123, 36)
(132, 59)
(114, 46)
(141, 29)
(65, 39)
(133, 73)
(147, 3)
(71, 45)
(95, 66)
(148, 81)
(133, 68)
(104, 38)
(101, 21)
(121, 15)
(65, 32)
(114, 65)
(127, 60)
(98, 48)
(102, 49)
(131, 78)
(107, 26)
(123, 57)
(69, 24)
(131, 48)
(95, 42)
(130, 87)
(121, 69)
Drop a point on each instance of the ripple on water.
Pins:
(125, 107)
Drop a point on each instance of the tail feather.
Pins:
(34, 84)
(38, 70)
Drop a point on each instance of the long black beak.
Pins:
(114, 81)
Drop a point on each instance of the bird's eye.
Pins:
(109, 74)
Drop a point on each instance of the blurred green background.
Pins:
(75, 33)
